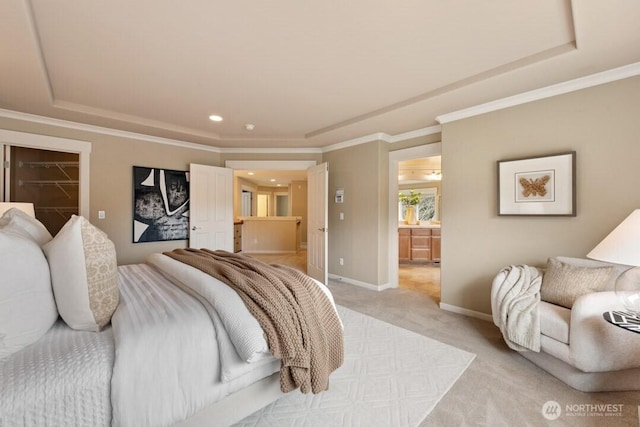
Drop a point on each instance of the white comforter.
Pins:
(63, 379)
(167, 364)
(164, 358)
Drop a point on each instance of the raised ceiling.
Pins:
(306, 74)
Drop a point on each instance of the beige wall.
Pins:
(601, 124)
(112, 161)
(240, 184)
(361, 238)
(111, 177)
(299, 206)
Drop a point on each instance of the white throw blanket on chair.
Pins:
(516, 302)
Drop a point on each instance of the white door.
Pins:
(317, 229)
(211, 207)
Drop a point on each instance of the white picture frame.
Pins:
(539, 186)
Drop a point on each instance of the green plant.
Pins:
(413, 198)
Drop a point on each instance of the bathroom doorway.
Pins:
(414, 258)
(419, 233)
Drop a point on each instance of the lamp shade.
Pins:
(24, 207)
(622, 245)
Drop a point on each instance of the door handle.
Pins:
(323, 229)
(194, 228)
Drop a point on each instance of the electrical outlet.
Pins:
(101, 215)
(341, 261)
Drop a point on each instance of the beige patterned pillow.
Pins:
(84, 274)
(562, 283)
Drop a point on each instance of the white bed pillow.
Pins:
(16, 221)
(27, 307)
(84, 274)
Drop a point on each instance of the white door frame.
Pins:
(395, 157)
(54, 143)
(318, 222)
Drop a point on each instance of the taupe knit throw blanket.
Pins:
(301, 326)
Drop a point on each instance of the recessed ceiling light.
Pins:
(215, 118)
(249, 126)
(272, 180)
(250, 173)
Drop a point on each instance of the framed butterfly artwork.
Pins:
(542, 186)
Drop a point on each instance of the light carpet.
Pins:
(390, 377)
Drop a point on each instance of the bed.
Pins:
(179, 348)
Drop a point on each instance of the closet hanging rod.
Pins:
(48, 164)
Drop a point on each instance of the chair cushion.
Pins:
(555, 321)
(563, 283)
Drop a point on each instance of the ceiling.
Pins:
(305, 74)
(417, 171)
(271, 178)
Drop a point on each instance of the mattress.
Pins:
(63, 379)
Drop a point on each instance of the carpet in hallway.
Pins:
(390, 377)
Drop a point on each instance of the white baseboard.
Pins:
(470, 313)
(443, 306)
(365, 285)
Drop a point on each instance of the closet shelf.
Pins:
(57, 183)
(61, 166)
(63, 211)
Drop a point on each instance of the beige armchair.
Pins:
(577, 345)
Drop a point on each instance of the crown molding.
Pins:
(381, 136)
(592, 80)
(241, 150)
(32, 118)
(431, 130)
(357, 141)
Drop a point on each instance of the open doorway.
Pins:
(425, 247)
(280, 192)
(419, 225)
